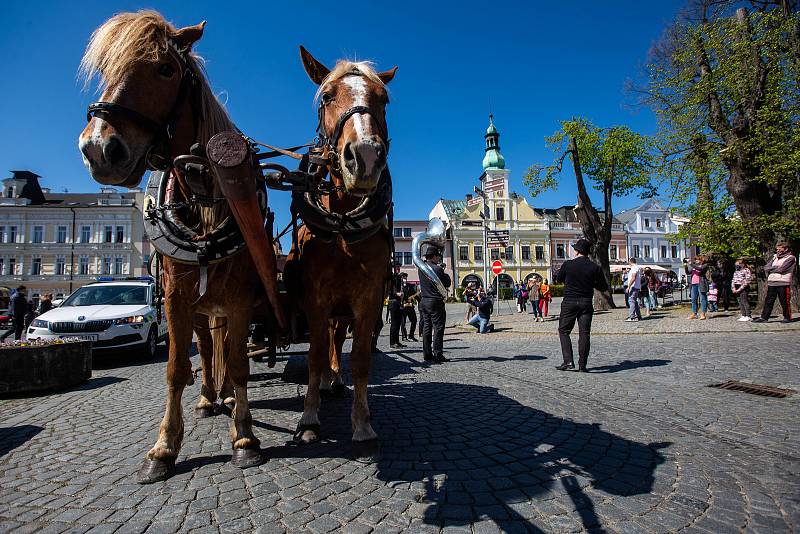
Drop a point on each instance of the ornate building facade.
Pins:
(495, 224)
(57, 242)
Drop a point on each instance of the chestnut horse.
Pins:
(156, 103)
(344, 283)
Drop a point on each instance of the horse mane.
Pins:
(345, 67)
(129, 38)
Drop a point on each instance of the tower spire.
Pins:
(493, 158)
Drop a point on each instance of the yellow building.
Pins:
(516, 234)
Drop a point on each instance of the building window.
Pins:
(2, 266)
(659, 223)
(697, 250)
(406, 232)
(526, 252)
(398, 232)
(646, 222)
(636, 251)
(539, 252)
(2, 234)
(10, 192)
(61, 234)
(647, 251)
(108, 234)
(38, 234)
(510, 253)
(663, 251)
(494, 253)
(118, 265)
(398, 258)
(674, 251)
(107, 264)
(36, 266)
(463, 253)
(560, 251)
(500, 213)
(12, 234)
(83, 266)
(145, 260)
(120, 234)
(407, 258)
(86, 234)
(477, 252)
(612, 252)
(61, 265)
(12, 266)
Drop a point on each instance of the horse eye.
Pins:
(326, 99)
(166, 70)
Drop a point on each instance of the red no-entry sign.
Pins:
(497, 266)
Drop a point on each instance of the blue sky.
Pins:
(538, 62)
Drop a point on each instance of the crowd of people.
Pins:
(22, 311)
(536, 292)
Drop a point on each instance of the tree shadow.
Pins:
(476, 454)
(14, 436)
(518, 357)
(627, 365)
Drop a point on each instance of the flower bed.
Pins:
(27, 366)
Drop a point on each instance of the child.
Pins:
(712, 297)
(740, 285)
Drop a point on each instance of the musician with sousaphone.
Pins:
(433, 287)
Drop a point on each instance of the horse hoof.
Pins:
(206, 411)
(155, 470)
(367, 452)
(339, 391)
(244, 458)
(306, 434)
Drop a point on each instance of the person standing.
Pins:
(46, 303)
(547, 296)
(534, 295)
(580, 276)
(696, 275)
(469, 293)
(713, 294)
(410, 295)
(432, 308)
(395, 307)
(740, 284)
(625, 285)
(780, 271)
(632, 290)
(18, 308)
(722, 279)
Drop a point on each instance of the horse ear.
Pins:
(315, 70)
(387, 76)
(186, 37)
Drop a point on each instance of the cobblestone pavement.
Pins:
(496, 439)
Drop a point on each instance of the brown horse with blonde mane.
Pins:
(156, 103)
(343, 276)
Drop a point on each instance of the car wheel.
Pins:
(151, 344)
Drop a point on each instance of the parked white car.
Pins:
(113, 314)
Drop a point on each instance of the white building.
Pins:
(649, 227)
(55, 243)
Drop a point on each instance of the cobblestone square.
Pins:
(495, 440)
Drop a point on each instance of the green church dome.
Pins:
(493, 158)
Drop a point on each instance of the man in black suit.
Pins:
(432, 308)
(395, 307)
(580, 276)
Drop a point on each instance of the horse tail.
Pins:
(219, 330)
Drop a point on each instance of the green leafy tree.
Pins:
(616, 160)
(724, 83)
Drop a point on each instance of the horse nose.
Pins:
(366, 157)
(92, 152)
(115, 151)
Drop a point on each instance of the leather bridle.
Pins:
(330, 142)
(162, 132)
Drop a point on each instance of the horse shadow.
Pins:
(627, 365)
(474, 454)
(14, 436)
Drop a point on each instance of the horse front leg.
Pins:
(308, 429)
(366, 447)
(160, 462)
(205, 346)
(246, 447)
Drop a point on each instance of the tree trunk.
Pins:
(596, 231)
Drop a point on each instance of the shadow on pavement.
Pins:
(99, 382)
(14, 436)
(112, 359)
(627, 365)
(518, 357)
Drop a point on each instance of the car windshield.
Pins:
(99, 294)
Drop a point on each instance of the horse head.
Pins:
(352, 119)
(148, 79)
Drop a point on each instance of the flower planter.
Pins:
(42, 367)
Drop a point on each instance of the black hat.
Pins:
(432, 250)
(584, 246)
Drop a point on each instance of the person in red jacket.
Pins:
(780, 271)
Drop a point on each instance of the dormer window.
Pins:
(647, 222)
(10, 192)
